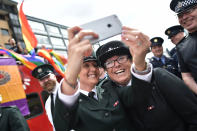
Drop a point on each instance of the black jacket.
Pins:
(187, 55)
(105, 114)
(12, 120)
(165, 104)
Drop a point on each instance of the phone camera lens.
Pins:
(109, 25)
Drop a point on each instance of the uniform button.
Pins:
(153, 87)
(114, 130)
(80, 100)
(106, 114)
(67, 114)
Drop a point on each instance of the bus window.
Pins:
(35, 106)
(45, 96)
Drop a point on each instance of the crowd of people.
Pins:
(117, 89)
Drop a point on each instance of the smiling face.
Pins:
(188, 19)
(89, 74)
(48, 83)
(119, 73)
(157, 50)
(177, 38)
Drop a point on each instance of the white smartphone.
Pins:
(105, 27)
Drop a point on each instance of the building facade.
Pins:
(49, 34)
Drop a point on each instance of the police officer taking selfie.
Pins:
(81, 105)
(157, 97)
(186, 11)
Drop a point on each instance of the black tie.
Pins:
(52, 104)
(91, 94)
(160, 61)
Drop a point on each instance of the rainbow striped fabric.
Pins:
(28, 36)
(59, 68)
(30, 61)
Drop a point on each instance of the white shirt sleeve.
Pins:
(146, 77)
(68, 100)
(48, 109)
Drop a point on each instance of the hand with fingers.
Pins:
(138, 44)
(77, 49)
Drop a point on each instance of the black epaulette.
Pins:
(8, 106)
(4, 107)
(151, 59)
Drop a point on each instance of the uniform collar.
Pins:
(157, 58)
(86, 92)
(181, 40)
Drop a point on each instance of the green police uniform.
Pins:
(105, 114)
(12, 120)
(159, 106)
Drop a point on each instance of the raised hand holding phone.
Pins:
(105, 28)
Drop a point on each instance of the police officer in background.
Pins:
(176, 35)
(186, 11)
(48, 81)
(159, 59)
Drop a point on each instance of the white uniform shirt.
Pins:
(69, 100)
(48, 104)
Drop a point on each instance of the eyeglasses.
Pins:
(180, 15)
(120, 60)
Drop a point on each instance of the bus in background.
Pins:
(36, 98)
(19, 88)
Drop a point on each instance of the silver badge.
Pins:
(39, 70)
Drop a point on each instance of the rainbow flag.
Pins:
(37, 60)
(30, 61)
(55, 63)
(28, 36)
(61, 58)
(11, 87)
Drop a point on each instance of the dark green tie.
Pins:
(52, 104)
(91, 94)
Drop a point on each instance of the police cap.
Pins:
(156, 41)
(90, 58)
(172, 31)
(111, 49)
(179, 6)
(42, 71)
